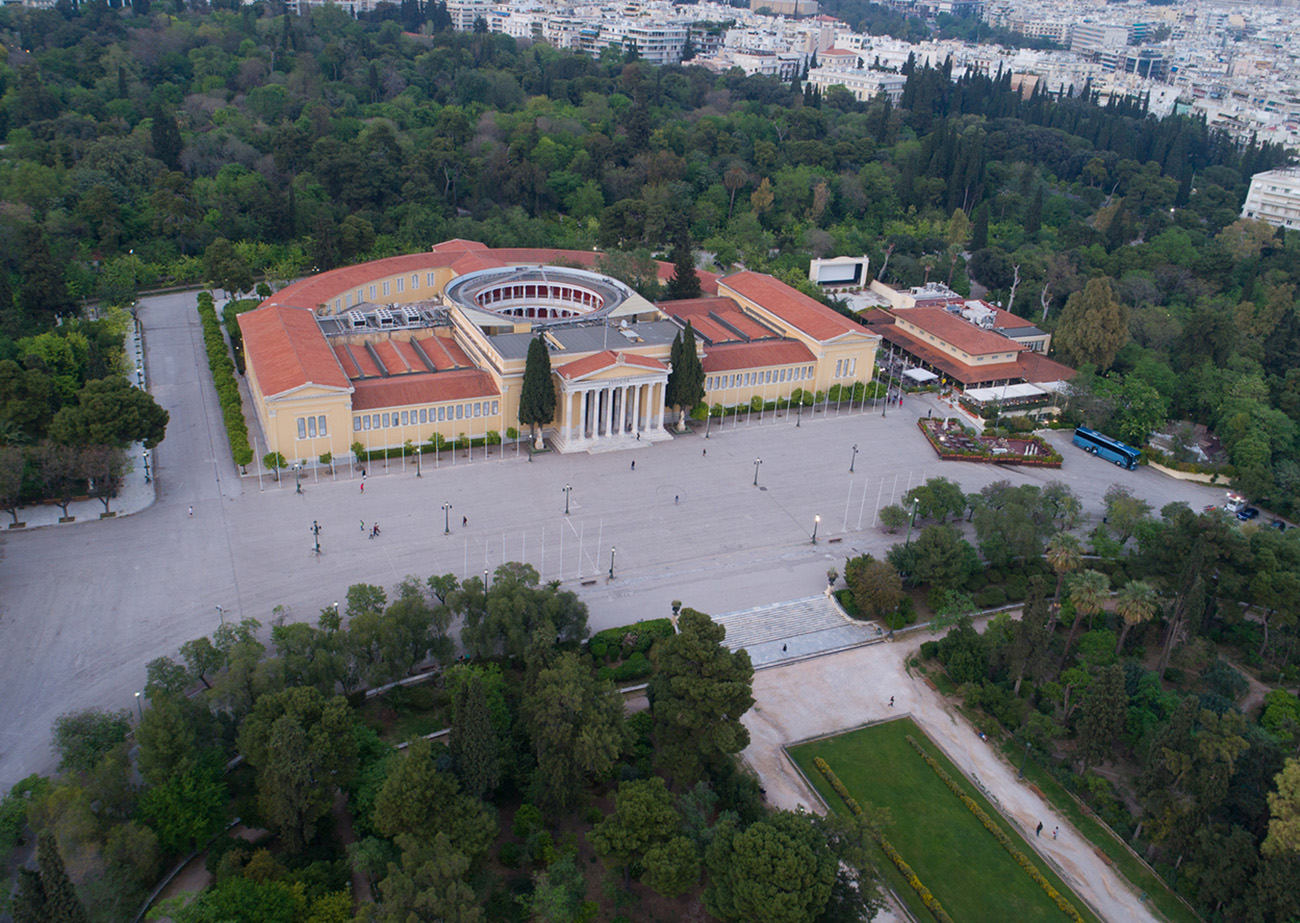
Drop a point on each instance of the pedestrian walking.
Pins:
(677, 498)
(1039, 831)
(638, 437)
(704, 453)
(464, 521)
(191, 512)
(363, 489)
(634, 464)
(891, 701)
(363, 525)
(1055, 831)
(782, 648)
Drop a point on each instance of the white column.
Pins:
(609, 412)
(582, 414)
(568, 416)
(636, 409)
(655, 397)
(624, 408)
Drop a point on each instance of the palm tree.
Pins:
(1088, 593)
(1064, 554)
(1136, 603)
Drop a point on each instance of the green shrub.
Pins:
(598, 650)
(605, 674)
(1017, 588)
(929, 650)
(510, 855)
(635, 667)
(991, 597)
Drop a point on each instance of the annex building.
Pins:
(400, 350)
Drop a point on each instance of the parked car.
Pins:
(1277, 524)
(1248, 514)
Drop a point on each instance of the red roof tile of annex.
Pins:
(967, 375)
(435, 388)
(287, 349)
(812, 317)
(726, 357)
(958, 332)
(462, 256)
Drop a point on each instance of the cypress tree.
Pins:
(979, 235)
(674, 380)
(685, 283)
(1034, 217)
(166, 137)
(61, 901)
(537, 398)
(686, 381)
(29, 904)
(474, 744)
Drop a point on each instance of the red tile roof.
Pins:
(286, 349)
(958, 332)
(603, 360)
(461, 256)
(793, 306)
(965, 374)
(406, 390)
(765, 354)
(1038, 368)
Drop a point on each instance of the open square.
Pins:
(963, 865)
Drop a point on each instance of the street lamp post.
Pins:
(1024, 762)
(297, 478)
(611, 563)
(446, 519)
(221, 614)
(418, 452)
(315, 531)
(911, 519)
(145, 456)
(567, 490)
(485, 580)
(854, 460)
(798, 414)
(817, 521)
(138, 707)
(757, 462)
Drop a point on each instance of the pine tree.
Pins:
(166, 137)
(1105, 711)
(1034, 217)
(474, 744)
(537, 399)
(61, 902)
(979, 237)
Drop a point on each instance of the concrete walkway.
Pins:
(827, 694)
(782, 632)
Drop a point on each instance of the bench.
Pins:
(589, 583)
(833, 541)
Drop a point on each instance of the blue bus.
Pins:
(1110, 449)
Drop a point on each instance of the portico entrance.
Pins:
(610, 401)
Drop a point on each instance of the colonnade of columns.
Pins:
(605, 410)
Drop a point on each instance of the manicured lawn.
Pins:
(975, 879)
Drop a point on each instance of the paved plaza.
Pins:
(87, 605)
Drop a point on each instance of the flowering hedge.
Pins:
(929, 900)
(999, 834)
(1049, 458)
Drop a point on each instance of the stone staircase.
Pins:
(780, 621)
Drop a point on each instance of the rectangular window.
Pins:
(302, 428)
(405, 418)
(839, 367)
(401, 285)
(385, 287)
(415, 280)
(372, 293)
(424, 415)
(356, 424)
(359, 298)
(495, 409)
(366, 421)
(386, 421)
(853, 366)
(429, 279)
(336, 305)
(311, 427)
(460, 411)
(783, 374)
(478, 409)
(347, 300)
(442, 414)
(320, 426)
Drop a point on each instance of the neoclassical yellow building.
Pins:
(400, 349)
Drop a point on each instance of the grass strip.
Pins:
(998, 834)
(931, 902)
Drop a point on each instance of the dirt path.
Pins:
(823, 696)
(347, 836)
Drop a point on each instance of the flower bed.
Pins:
(958, 445)
(998, 833)
(927, 898)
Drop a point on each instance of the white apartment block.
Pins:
(1274, 197)
(464, 12)
(863, 83)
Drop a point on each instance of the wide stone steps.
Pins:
(780, 621)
